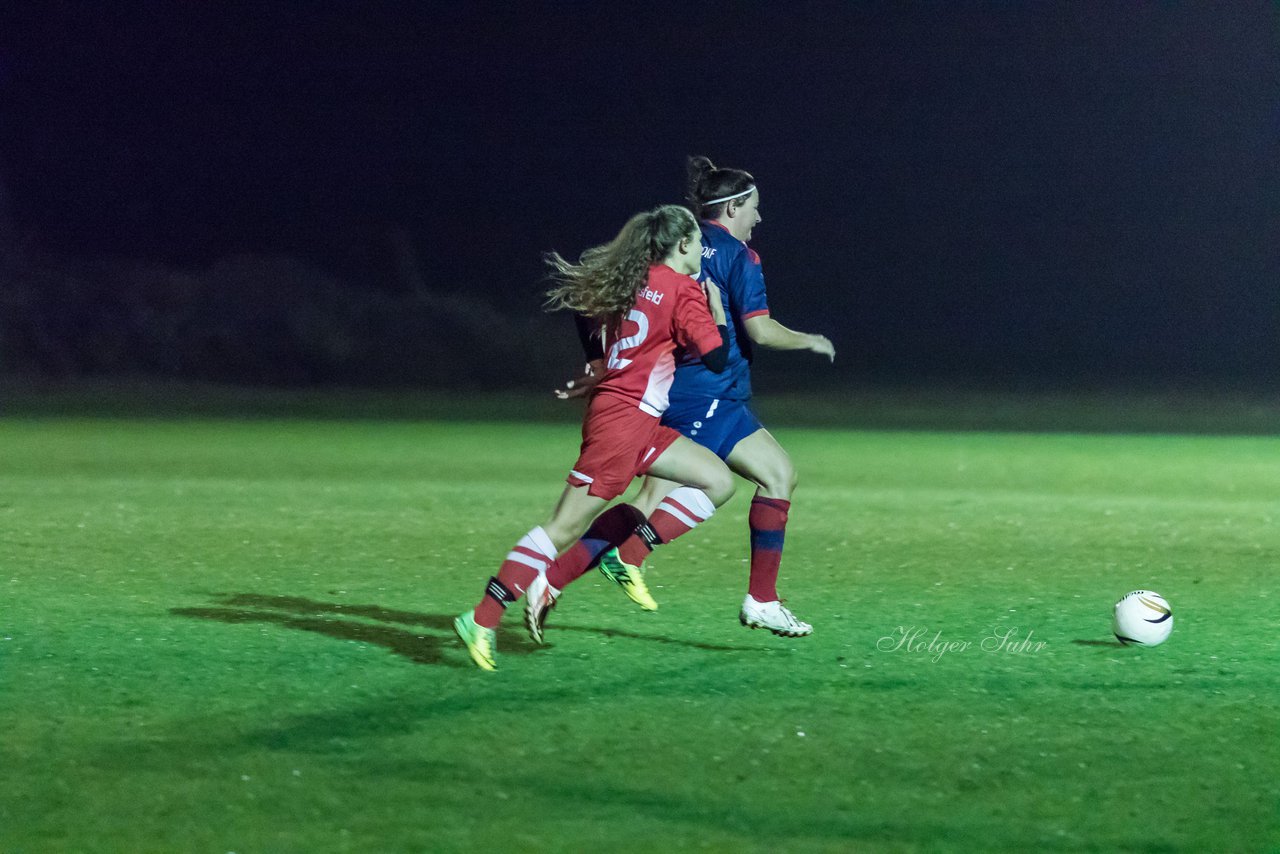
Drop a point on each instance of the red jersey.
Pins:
(669, 312)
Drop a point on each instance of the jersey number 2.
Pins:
(616, 362)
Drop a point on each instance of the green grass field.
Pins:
(234, 635)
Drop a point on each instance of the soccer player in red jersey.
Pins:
(640, 289)
(713, 407)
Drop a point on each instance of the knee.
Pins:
(781, 478)
(720, 488)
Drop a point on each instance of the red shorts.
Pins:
(619, 442)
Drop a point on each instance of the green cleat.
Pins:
(629, 578)
(481, 642)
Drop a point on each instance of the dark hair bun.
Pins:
(698, 168)
(699, 163)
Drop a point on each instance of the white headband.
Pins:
(745, 192)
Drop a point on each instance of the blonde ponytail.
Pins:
(604, 282)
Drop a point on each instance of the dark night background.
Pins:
(1048, 193)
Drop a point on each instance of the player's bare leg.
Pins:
(761, 459)
(651, 493)
(571, 516)
(689, 464)
(683, 488)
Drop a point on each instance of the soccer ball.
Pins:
(1142, 618)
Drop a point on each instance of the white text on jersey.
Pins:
(651, 295)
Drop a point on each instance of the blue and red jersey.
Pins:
(735, 269)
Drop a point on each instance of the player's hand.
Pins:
(592, 374)
(714, 303)
(822, 345)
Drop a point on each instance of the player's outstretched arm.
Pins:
(767, 332)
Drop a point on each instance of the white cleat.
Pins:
(773, 616)
(539, 598)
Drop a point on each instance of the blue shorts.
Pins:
(718, 425)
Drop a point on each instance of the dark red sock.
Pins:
(634, 550)
(608, 530)
(768, 521)
(570, 566)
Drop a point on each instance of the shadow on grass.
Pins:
(420, 649)
(1112, 644)
(302, 605)
(620, 633)
(327, 618)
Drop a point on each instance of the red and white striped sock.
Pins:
(532, 555)
(679, 513)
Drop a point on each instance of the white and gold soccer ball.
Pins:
(1142, 618)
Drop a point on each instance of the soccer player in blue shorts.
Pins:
(714, 410)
